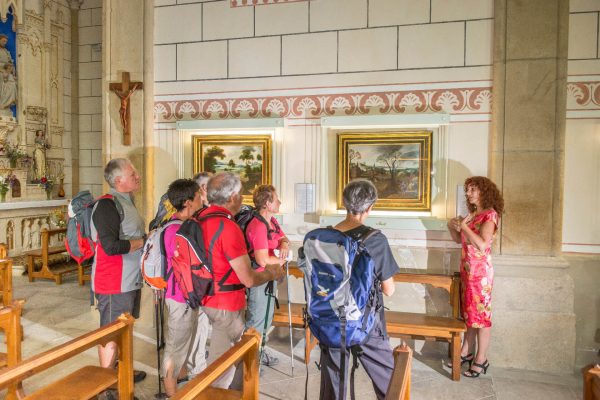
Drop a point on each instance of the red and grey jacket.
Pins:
(116, 270)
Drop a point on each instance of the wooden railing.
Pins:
(10, 323)
(86, 382)
(399, 388)
(247, 351)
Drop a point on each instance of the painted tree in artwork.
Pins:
(210, 158)
(231, 163)
(391, 158)
(247, 157)
(354, 156)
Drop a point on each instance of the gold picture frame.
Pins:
(249, 156)
(398, 164)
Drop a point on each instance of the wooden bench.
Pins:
(399, 388)
(86, 382)
(10, 324)
(245, 350)
(422, 326)
(44, 253)
(5, 279)
(591, 382)
(401, 324)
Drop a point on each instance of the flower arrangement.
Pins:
(14, 154)
(46, 182)
(57, 217)
(6, 182)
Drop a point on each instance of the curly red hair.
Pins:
(489, 195)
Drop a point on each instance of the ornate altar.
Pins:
(32, 115)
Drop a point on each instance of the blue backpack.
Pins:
(339, 285)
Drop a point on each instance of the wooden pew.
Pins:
(280, 318)
(401, 324)
(591, 382)
(5, 280)
(43, 253)
(399, 388)
(422, 326)
(247, 351)
(86, 382)
(10, 324)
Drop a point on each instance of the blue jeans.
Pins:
(256, 311)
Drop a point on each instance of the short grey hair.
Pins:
(359, 195)
(115, 168)
(201, 178)
(221, 187)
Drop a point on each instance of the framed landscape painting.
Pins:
(248, 156)
(398, 164)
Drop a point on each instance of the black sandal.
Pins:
(463, 359)
(475, 374)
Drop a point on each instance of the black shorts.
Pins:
(111, 306)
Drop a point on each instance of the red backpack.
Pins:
(191, 264)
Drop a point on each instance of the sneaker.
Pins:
(268, 359)
(138, 376)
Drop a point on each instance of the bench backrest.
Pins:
(46, 234)
(247, 351)
(591, 383)
(3, 251)
(399, 388)
(119, 331)
(450, 283)
(10, 324)
(6, 281)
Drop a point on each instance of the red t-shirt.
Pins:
(257, 235)
(228, 245)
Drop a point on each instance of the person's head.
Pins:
(265, 198)
(39, 133)
(201, 178)
(8, 67)
(184, 195)
(120, 174)
(359, 196)
(3, 40)
(223, 189)
(483, 193)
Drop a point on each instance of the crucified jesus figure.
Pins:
(124, 110)
(124, 90)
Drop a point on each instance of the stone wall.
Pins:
(90, 97)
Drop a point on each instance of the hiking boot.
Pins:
(268, 359)
(138, 376)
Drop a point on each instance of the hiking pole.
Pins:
(289, 298)
(287, 273)
(269, 293)
(157, 321)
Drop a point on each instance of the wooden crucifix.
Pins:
(124, 90)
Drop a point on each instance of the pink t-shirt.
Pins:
(257, 236)
(173, 291)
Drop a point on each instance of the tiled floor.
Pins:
(54, 314)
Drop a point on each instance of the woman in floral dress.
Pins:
(476, 233)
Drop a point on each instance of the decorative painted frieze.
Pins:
(583, 95)
(453, 101)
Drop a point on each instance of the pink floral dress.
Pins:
(477, 275)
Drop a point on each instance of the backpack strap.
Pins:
(163, 251)
(224, 287)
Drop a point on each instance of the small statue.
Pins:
(39, 154)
